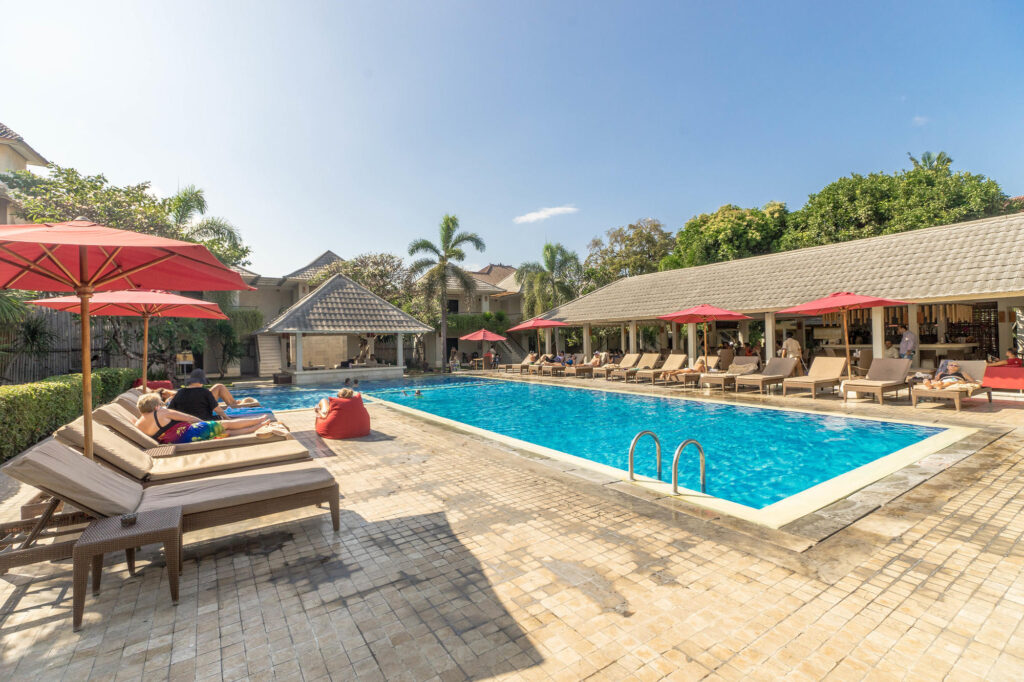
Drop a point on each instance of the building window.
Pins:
(453, 305)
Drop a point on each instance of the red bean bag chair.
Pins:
(155, 384)
(339, 418)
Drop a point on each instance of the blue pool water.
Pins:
(755, 456)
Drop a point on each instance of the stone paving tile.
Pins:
(459, 559)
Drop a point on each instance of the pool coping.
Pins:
(776, 515)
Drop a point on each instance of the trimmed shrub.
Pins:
(31, 412)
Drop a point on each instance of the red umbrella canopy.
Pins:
(80, 253)
(482, 335)
(702, 313)
(838, 302)
(537, 323)
(138, 303)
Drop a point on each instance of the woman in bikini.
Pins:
(700, 367)
(170, 426)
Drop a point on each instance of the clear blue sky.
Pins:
(355, 126)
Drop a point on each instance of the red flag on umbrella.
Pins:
(138, 303)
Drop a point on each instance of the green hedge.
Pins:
(31, 412)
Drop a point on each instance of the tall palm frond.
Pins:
(186, 205)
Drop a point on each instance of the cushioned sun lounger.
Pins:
(693, 378)
(672, 362)
(825, 372)
(646, 361)
(975, 369)
(580, 371)
(628, 360)
(773, 374)
(160, 464)
(739, 366)
(886, 375)
(121, 421)
(57, 469)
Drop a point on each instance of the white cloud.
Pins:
(919, 121)
(544, 214)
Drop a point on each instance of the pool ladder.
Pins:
(675, 459)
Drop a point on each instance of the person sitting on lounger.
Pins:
(168, 426)
(1012, 359)
(948, 378)
(201, 402)
(699, 367)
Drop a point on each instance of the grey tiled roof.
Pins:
(340, 306)
(23, 147)
(494, 273)
(308, 271)
(8, 134)
(973, 260)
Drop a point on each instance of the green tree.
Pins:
(217, 234)
(440, 264)
(861, 206)
(728, 233)
(550, 282)
(385, 274)
(635, 249)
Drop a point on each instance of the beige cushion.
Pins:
(56, 467)
(166, 468)
(219, 492)
(121, 420)
(130, 402)
(229, 442)
(108, 446)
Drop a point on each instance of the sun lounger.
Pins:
(672, 362)
(886, 375)
(57, 469)
(161, 464)
(120, 420)
(585, 370)
(628, 360)
(975, 369)
(825, 372)
(693, 378)
(646, 361)
(512, 367)
(774, 373)
(739, 366)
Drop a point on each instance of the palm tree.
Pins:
(551, 282)
(217, 234)
(440, 266)
(930, 161)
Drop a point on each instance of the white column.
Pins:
(744, 332)
(399, 351)
(558, 339)
(915, 329)
(691, 342)
(1005, 327)
(940, 326)
(286, 359)
(587, 350)
(622, 338)
(298, 352)
(769, 336)
(878, 332)
(485, 304)
(675, 336)
(632, 336)
(439, 353)
(547, 340)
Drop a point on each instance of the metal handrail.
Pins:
(675, 466)
(632, 448)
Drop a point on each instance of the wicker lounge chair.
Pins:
(628, 360)
(693, 378)
(742, 365)
(583, 370)
(646, 361)
(57, 469)
(672, 362)
(824, 373)
(773, 374)
(512, 367)
(887, 375)
(972, 368)
(161, 464)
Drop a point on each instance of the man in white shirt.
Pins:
(791, 349)
(891, 351)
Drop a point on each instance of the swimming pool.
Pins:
(756, 457)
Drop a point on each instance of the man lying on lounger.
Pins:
(201, 402)
(699, 367)
(168, 426)
(949, 378)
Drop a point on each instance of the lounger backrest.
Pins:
(628, 360)
(888, 369)
(647, 361)
(56, 467)
(975, 369)
(710, 360)
(743, 365)
(826, 368)
(108, 446)
(779, 367)
(119, 419)
(674, 361)
(129, 401)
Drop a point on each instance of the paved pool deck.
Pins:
(463, 558)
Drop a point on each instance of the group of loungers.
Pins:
(214, 482)
(885, 376)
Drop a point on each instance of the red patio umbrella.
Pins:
(703, 313)
(538, 324)
(84, 257)
(138, 303)
(844, 302)
(482, 335)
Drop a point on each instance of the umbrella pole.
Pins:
(846, 337)
(706, 343)
(145, 351)
(85, 293)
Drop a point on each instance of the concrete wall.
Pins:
(323, 350)
(271, 301)
(10, 159)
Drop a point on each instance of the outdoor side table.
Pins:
(108, 535)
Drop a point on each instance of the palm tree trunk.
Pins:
(444, 326)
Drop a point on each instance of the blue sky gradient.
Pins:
(355, 126)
